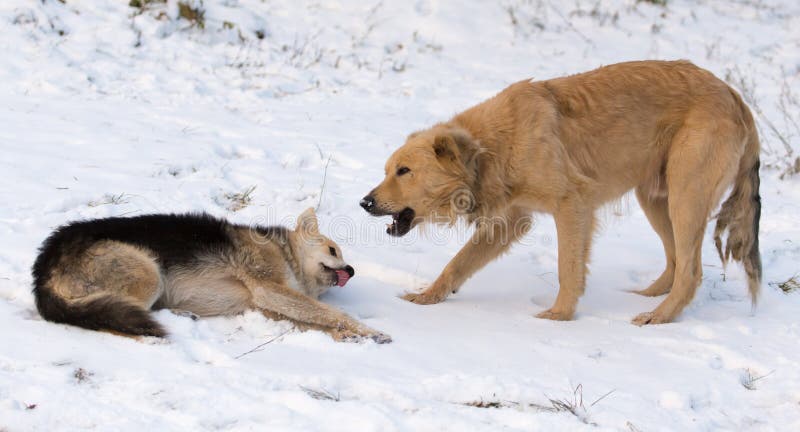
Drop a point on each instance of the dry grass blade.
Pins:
(602, 397)
(260, 347)
(788, 286)
(573, 405)
(321, 394)
(748, 378)
(141, 4)
(486, 404)
(322, 188)
(110, 199)
(196, 15)
(632, 427)
(239, 200)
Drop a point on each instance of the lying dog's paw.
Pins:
(424, 298)
(381, 338)
(344, 335)
(378, 338)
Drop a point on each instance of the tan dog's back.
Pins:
(671, 131)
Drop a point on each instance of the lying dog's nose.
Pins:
(349, 270)
(368, 203)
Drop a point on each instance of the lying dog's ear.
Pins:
(307, 222)
(456, 145)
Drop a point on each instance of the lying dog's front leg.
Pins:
(491, 238)
(273, 298)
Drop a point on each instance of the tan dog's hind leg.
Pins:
(657, 211)
(273, 298)
(487, 243)
(696, 181)
(690, 222)
(574, 227)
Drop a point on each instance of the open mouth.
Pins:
(338, 276)
(401, 222)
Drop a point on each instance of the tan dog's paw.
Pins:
(650, 318)
(555, 315)
(654, 290)
(424, 298)
(648, 292)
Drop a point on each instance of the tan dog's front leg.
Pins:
(274, 298)
(574, 226)
(490, 239)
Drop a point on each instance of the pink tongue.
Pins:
(343, 277)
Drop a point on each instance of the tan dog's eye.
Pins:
(402, 170)
(332, 250)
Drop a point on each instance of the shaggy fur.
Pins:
(671, 131)
(105, 274)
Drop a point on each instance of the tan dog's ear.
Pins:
(456, 145)
(307, 222)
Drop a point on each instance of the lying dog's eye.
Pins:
(333, 251)
(402, 170)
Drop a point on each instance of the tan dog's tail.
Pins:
(741, 212)
(102, 311)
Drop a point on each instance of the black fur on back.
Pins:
(173, 239)
(278, 233)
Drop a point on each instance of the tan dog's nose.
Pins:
(368, 203)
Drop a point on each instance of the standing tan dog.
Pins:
(105, 274)
(672, 131)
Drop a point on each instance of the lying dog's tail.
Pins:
(101, 311)
(741, 212)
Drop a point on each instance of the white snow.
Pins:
(107, 111)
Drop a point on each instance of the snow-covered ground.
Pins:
(108, 109)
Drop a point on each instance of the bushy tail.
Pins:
(98, 312)
(739, 216)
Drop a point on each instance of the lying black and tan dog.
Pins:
(106, 274)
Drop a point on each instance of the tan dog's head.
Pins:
(430, 178)
(320, 258)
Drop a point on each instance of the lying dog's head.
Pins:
(430, 178)
(320, 258)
